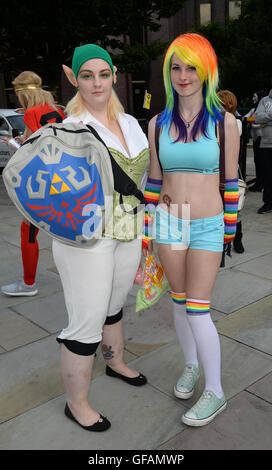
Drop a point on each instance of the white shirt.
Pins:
(134, 136)
(239, 124)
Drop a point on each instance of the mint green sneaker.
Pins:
(184, 387)
(205, 409)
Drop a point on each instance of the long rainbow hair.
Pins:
(195, 50)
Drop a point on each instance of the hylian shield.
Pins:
(61, 180)
(65, 198)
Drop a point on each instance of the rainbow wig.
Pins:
(196, 51)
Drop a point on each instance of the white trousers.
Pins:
(96, 282)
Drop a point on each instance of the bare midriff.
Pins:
(200, 192)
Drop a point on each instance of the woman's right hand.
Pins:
(5, 139)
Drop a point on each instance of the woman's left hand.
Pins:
(20, 139)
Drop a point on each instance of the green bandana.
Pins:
(87, 52)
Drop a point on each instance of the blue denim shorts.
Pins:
(199, 234)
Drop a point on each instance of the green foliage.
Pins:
(244, 49)
(42, 36)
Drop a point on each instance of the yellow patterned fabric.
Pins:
(123, 226)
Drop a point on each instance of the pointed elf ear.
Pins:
(70, 75)
(114, 74)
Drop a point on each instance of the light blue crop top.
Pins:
(201, 156)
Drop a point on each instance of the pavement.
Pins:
(32, 397)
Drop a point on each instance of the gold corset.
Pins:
(121, 225)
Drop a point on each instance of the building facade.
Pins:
(131, 88)
(194, 12)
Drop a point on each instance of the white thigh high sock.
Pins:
(183, 328)
(208, 344)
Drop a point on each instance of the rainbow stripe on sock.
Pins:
(197, 307)
(178, 298)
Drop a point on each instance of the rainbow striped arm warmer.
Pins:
(231, 199)
(151, 194)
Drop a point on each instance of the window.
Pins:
(205, 12)
(234, 9)
(17, 122)
(3, 124)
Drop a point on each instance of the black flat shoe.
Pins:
(265, 208)
(255, 189)
(136, 381)
(101, 425)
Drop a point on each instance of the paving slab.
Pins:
(141, 419)
(261, 266)
(26, 360)
(48, 312)
(153, 324)
(251, 220)
(251, 325)
(255, 243)
(146, 326)
(11, 269)
(140, 349)
(13, 220)
(235, 289)
(252, 203)
(36, 376)
(8, 251)
(46, 261)
(263, 388)
(12, 235)
(150, 325)
(48, 284)
(41, 386)
(241, 367)
(9, 211)
(11, 255)
(30, 375)
(246, 424)
(17, 331)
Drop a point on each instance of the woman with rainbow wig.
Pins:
(185, 212)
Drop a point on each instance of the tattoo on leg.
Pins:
(107, 352)
(167, 200)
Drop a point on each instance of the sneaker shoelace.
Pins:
(187, 378)
(203, 402)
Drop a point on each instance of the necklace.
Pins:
(188, 123)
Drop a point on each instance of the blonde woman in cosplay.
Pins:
(38, 105)
(96, 280)
(190, 225)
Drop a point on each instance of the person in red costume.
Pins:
(40, 109)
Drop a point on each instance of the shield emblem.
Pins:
(65, 198)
